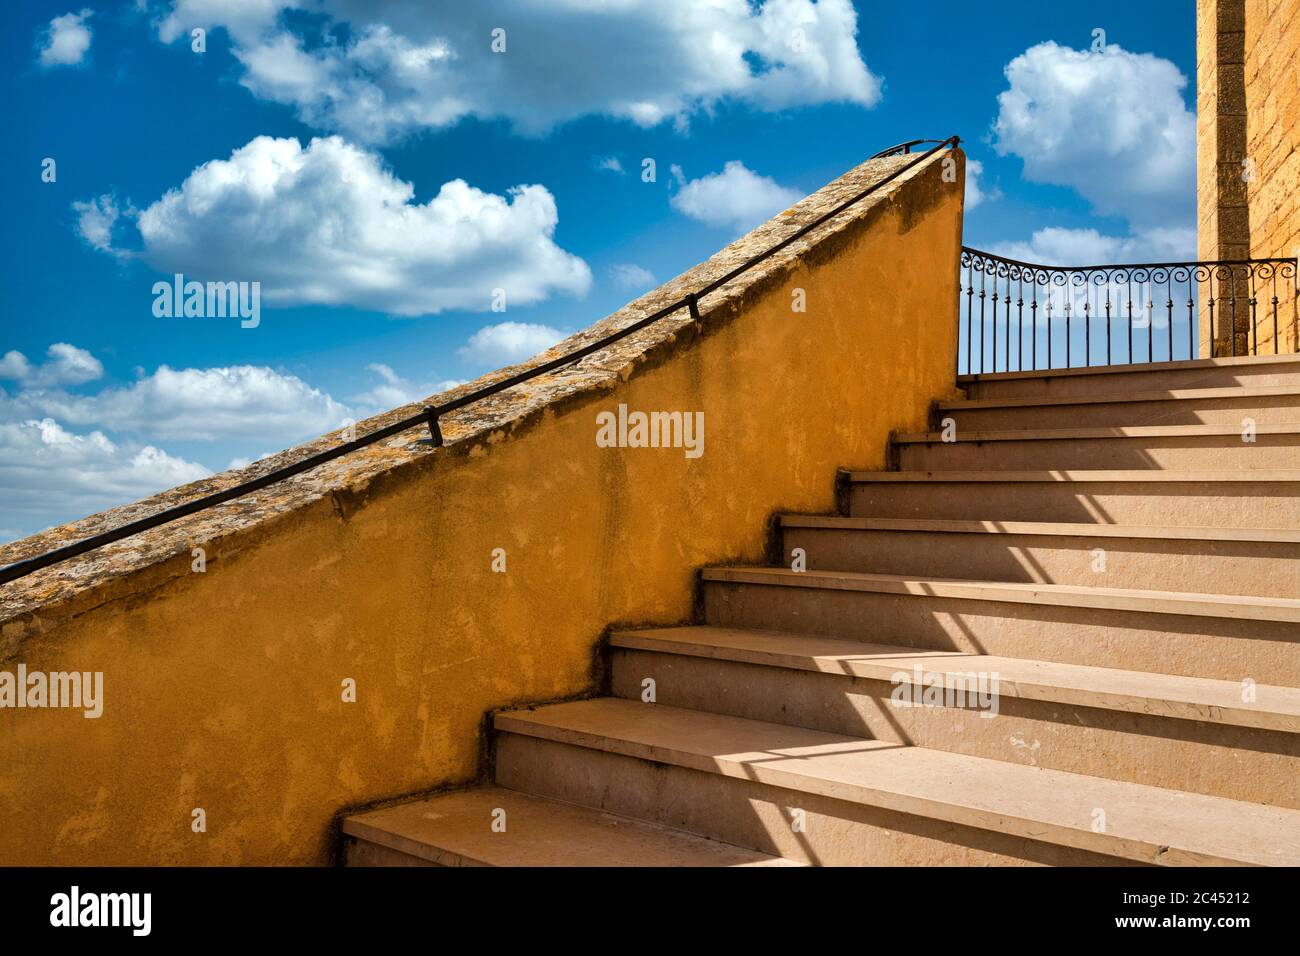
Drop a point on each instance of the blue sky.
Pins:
(372, 297)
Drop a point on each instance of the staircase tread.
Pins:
(1073, 529)
(1073, 595)
(1190, 698)
(1069, 475)
(1107, 398)
(1142, 822)
(1096, 433)
(455, 829)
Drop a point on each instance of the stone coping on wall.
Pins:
(80, 583)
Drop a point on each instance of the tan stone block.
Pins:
(1288, 104)
(1206, 162)
(1206, 96)
(1234, 250)
(1288, 176)
(1233, 218)
(1231, 51)
(1207, 243)
(1205, 39)
(1229, 16)
(1267, 151)
(1287, 243)
(1232, 187)
(1231, 130)
(1252, 69)
(1205, 135)
(1267, 114)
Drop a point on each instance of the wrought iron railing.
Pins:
(1018, 316)
(902, 149)
(429, 416)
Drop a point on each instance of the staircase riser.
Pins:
(1156, 380)
(1217, 452)
(758, 815)
(364, 853)
(1267, 652)
(1227, 761)
(1263, 569)
(1120, 414)
(1180, 504)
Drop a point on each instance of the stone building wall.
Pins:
(1248, 156)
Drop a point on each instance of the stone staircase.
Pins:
(1103, 541)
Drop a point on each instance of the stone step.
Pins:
(1165, 696)
(1251, 371)
(1193, 447)
(456, 829)
(1215, 560)
(1191, 406)
(1222, 637)
(837, 799)
(1225, 499)
(1162, 730)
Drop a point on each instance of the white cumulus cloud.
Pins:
(66, 453)
(976, 191)
(242, 402)
(1056, 246)
(393, 391)
(97, 218)
(66, 365)
(508, 343)
(628, 275)
(49, 474)
(243, 18)
(736, 198)
(328, 224)
(65, 41)
(404, 67)
(1111, 125)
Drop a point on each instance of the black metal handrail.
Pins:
(430, 415)
(1091, 309)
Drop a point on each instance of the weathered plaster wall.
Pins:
(223, 689)
(1248, 150)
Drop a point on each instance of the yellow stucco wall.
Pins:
(223, 689)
